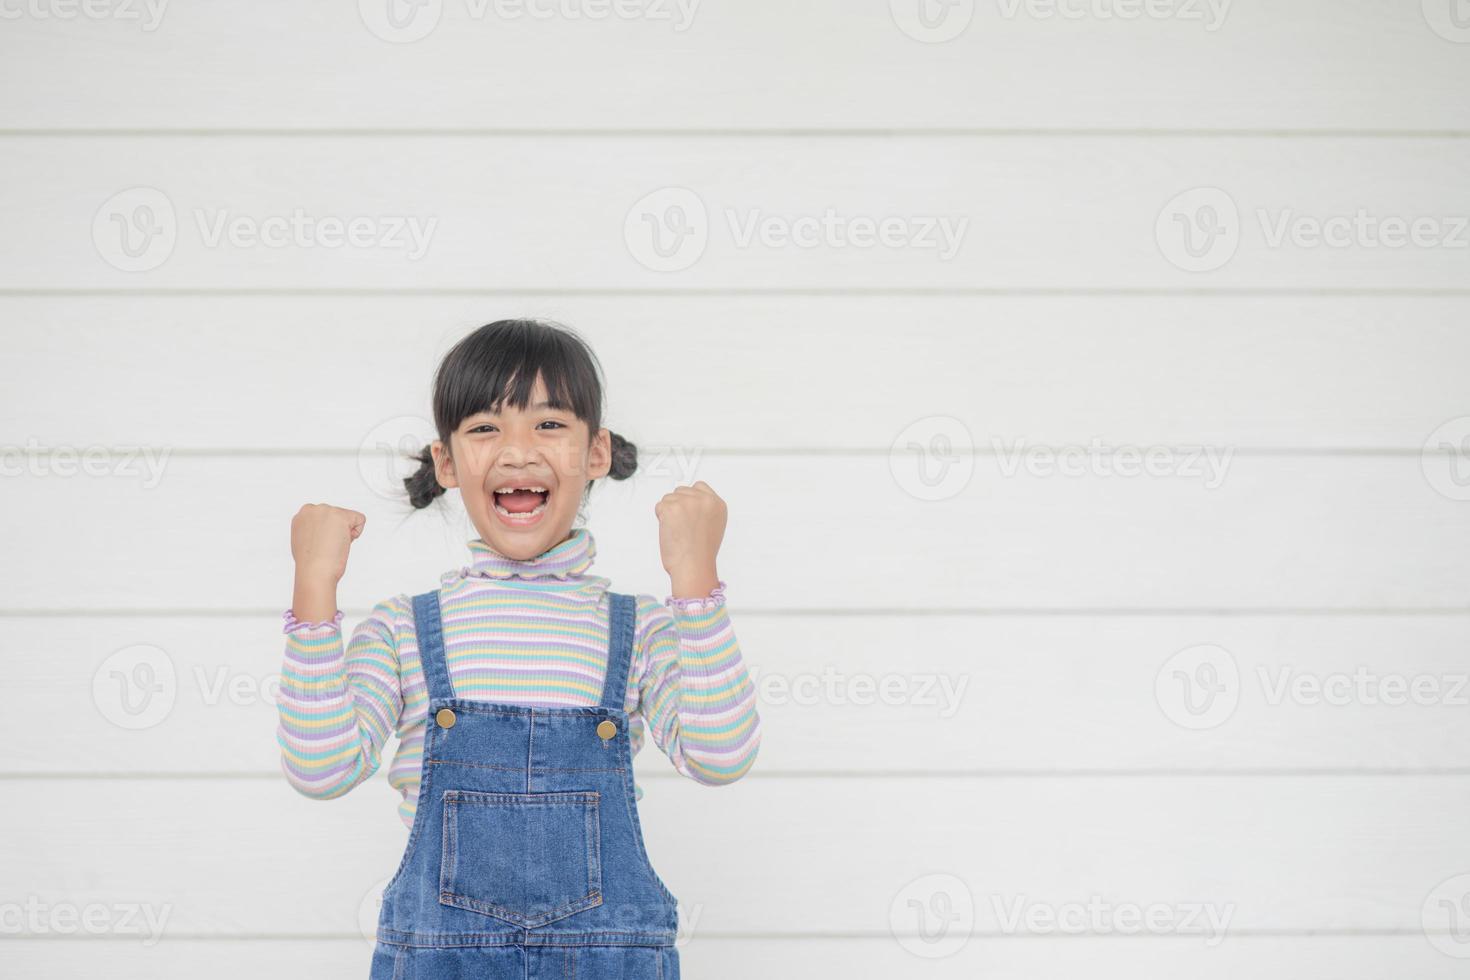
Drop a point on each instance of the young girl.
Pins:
(519, 688)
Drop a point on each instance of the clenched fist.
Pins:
(321, 536)
(691, 524)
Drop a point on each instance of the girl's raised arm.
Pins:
(697, 698)
(335, 707)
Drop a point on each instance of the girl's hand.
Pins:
(691, 524)
(321, 536)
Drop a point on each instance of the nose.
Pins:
(517, 450)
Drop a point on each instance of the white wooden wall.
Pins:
(1028, 625)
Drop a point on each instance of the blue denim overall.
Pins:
(525, 858)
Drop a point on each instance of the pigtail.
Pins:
(423, 486)
(624, 457)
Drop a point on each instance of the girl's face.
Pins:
(522, 473)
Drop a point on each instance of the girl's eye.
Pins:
(487, 427)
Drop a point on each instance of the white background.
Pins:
(856, 404)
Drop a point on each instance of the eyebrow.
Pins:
(534, 407)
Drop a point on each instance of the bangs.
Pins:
(499, 363)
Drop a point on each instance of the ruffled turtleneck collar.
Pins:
(570, 558)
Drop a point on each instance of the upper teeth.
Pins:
(514, 489)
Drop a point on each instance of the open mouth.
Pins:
(521, 505)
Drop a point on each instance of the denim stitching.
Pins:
(632, 809)
(453, 799)
(440, 940)
(560, 710)
(478, 797)
(488, 765)
(594, 846)
(530, 748)
(448, 855)
(415, 830)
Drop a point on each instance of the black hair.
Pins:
(499, 364)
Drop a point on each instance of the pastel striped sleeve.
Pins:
(696, 697)
(335, 708)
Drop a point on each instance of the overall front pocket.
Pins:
(527, 858)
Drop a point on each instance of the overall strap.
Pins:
(622, 613)
(429, 628)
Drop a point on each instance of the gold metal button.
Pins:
(445, 717)
(606, 729)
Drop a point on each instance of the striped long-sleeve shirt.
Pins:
(531, 633)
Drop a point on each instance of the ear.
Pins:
(443, 465)
(599, 456)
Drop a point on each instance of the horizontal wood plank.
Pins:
(863, 213)
(1309, 65)
(1327, 853)
(714, 958)
(806, 532)
(841, 695)
(299, 372)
